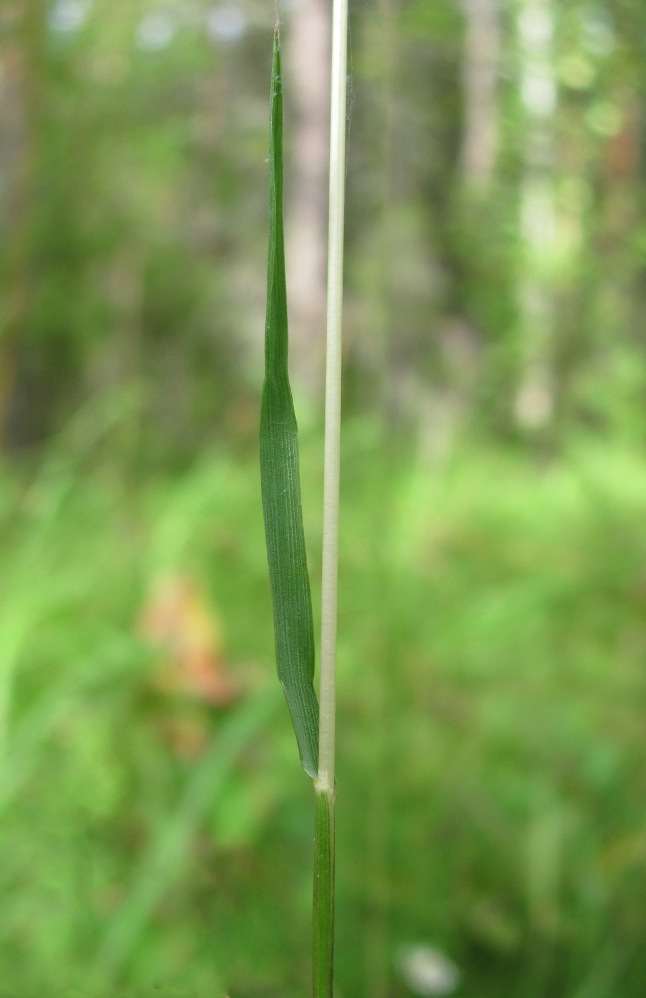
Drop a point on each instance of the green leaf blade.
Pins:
(279, 472)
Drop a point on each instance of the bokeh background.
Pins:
(155, 827)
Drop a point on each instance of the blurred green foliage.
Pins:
(491, 718)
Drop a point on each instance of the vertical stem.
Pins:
(323, 935)
(333, 395)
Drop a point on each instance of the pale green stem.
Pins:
(333, 397)
(322, 968)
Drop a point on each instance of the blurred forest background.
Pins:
(155, 828)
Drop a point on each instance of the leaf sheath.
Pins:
(323, 923)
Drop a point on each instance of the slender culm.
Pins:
(322, 977)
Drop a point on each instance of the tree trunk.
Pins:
(534, 405)
(307, 70)
(21, 31)
(479, 72)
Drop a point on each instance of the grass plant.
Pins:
(291, 600)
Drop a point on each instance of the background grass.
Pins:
(491, 765)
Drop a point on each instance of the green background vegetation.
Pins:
(492, 636)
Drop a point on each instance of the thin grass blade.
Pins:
(279, 472)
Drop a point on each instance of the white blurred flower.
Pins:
(226, 23)
(156, 30)
(427, 971)
(68, 15)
